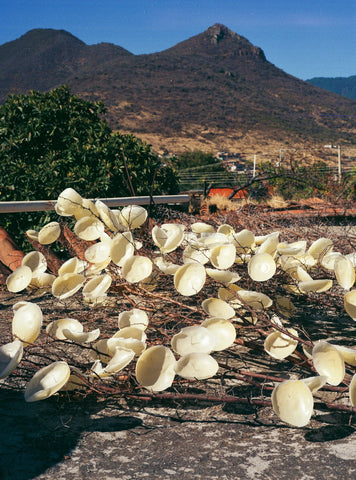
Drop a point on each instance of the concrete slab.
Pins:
(71, 440)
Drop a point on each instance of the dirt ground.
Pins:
(88, 437)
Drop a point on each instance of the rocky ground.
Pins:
(109, 435)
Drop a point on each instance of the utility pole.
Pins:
(338, 159)
(254, 166)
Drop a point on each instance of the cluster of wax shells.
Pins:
(111, 235)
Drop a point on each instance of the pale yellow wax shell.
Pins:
(190, 279)
(19, 279)
(328, 361)
(196, 366)
(27, 321)
(215, 307)
(36, 261)
(261, 267)
(49, 233)
(193, 339)
(155, 368)
(47, 381)
(69, 202)
(133, 216)
(293, 402)
(10, 357)
(223, 330)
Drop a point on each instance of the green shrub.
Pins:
(51, 141)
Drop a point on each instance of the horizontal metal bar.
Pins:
(42, 205)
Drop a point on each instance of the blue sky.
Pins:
(306, 38)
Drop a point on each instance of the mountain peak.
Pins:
(218, 40)
(219, 32)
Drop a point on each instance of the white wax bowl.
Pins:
(293, 402)
(47, 381)
(10, 357)
(196, 366)
(155, 368)
(193, 339)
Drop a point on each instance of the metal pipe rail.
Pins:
(42, 205)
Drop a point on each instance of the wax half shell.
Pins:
(201, 227)
(155, 368)
(122, 247)
(224, 276)
(344, 272)
(107, 216)
(89, 228)
(87, 209)
(133, 318)
(320, 248)
(72, 265)
(193, 339)
(121, 358)
(269, 245)
(168, 237)
(293, 402)
(47, 381)
(328, 361)
(280, 345)
(136, 268)
(27, 321)
(19, 279)
(197, 366)
(223, 256)
(226, 229)
(165, 266)
(322, 285)
(132, 338)
(81, 337)
(261, 267)
(243, 240)
(223, 330)
(350, 303)
(10, 357)
(68, 202)
(67, 285)
(97, 286)
(215, 307)
(255, 300)
(56, 327)
(315, 383)
(98, 253)
(348, 354)
(196, 254)
(133, 216)
(295, 248)
(49, 233)
(189, 279)
(352, 391)
(43, 280)
(36, 261)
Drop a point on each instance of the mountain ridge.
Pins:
(345, 86)
(214, 90)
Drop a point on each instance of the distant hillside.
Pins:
(345, 86)
(214, 91)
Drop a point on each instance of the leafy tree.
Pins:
(51, 141)
(196, 158)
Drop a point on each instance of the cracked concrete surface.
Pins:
(90, 439)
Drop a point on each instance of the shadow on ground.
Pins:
(36, 436)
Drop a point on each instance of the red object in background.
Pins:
(226, 192)
(10, 255)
